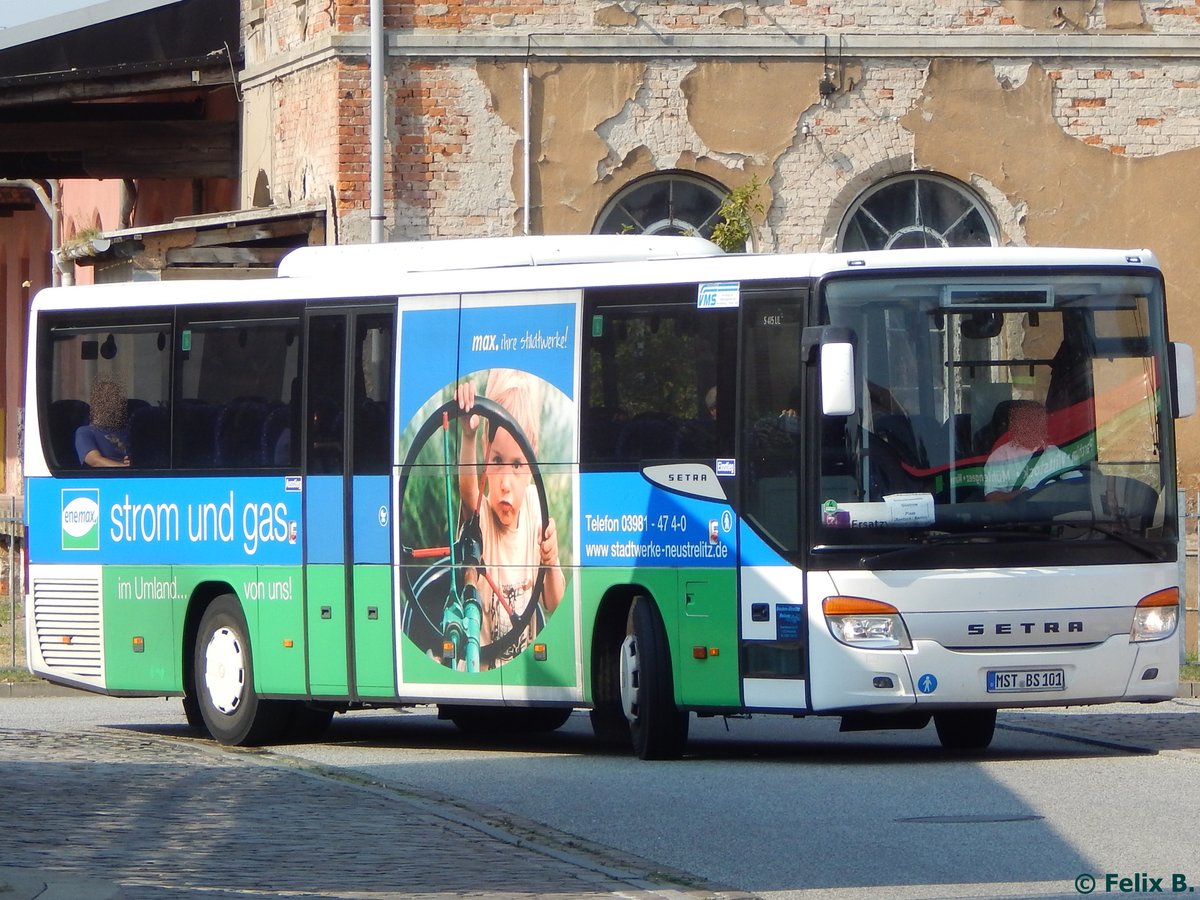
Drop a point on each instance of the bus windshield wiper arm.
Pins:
(1148, 548)
(942, 538)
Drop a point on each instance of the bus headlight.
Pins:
(1156, 616)
(869, 624)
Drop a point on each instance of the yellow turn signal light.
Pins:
(857, 606)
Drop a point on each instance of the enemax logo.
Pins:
(81, 519)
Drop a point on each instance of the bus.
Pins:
(518, 477)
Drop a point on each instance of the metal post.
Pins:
(1182, 556)
(378, 62)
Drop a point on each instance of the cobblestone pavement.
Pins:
(163, 819)
(168, 817)
(1148, 728)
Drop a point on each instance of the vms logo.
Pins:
(81, 519)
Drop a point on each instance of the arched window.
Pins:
(917, 210)
(665, 203)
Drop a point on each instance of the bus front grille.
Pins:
(66, 621)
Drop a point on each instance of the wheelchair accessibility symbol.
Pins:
(927, 683)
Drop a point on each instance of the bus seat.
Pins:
(371, 444)
(149, 434)
(897, 432)
(64, 419)
(195, 421)
(270, 451)
(697, 439)
(648, 436)
(919, 440)
(601, 432)
(989, 435)
(932, 441)
(887, 473)
(238, 433)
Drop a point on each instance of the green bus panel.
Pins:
(143, 618)
(274, 601)
(708, 624)
(325, 606)
(708, 619)
(374, 632)
(559, 667)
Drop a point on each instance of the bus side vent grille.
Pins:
(66, 619)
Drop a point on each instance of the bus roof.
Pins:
(491, 253)
(497, 265)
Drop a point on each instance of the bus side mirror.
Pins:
(1183, 380)
(837, 379)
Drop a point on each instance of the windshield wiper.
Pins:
(1001, 533)
(943, 538)
(1150, 549)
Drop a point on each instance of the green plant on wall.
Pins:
(732, 233)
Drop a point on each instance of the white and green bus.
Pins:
(522, 476)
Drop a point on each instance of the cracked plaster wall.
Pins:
(598, 126)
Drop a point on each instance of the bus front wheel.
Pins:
(232, 712)
(657, 726)
(965, 729)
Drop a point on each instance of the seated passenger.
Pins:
(1025, 458)
(104, 441)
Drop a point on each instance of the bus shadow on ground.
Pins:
(763, 739)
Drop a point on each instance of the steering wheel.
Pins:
(1059, 477)
(435, 594)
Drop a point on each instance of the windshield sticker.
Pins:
(896, 509)
(910, 509)
(719, 295)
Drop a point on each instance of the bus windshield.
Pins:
(998, 408)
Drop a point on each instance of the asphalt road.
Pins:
(781, 808)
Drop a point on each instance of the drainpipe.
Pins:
(377, 64)
(61, 271)
(525, 162)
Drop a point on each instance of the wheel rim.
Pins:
(497, 415)
(630, 677)
(224, 671)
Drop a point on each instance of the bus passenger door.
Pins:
(348, 449)
(369, 542)
(325, 535)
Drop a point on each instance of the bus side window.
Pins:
(130, 348)
(656, 372)
(233, 374)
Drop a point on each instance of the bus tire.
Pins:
(232, 712)
(657, 726)
(191, 709)
(965, 729)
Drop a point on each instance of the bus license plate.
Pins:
(1001, 681)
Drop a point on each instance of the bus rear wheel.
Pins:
(965, 729)
(224, 670)
(657, 726)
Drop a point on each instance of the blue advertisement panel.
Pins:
(165, 521)
(627, 521)
(485, 516)
(539, 340)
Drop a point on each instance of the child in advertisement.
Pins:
(515, 541)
